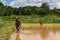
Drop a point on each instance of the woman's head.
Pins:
(17, 17)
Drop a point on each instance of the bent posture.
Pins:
(41, 22)
(17, 24)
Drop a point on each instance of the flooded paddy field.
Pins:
(34, 34)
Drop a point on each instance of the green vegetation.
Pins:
(33, 18)
(30, 14)
(28, 10)
(6, 28)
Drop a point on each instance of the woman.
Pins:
(41, 22)
(17, 24)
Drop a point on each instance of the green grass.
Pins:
(6, 30)
(49, 26)
(33, 18)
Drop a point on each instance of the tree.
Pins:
(45, 6)
(28, 10)
(56, 11)
(45, 9)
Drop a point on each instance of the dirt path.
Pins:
(33, 35)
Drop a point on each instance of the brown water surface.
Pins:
(35, 35)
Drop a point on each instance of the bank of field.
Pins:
(45, 26)
(6, 28)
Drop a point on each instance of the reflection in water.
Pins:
(50, 35)
(33, 35)
(54, 36)
(44, 34)
(57, 35)
(17, 36)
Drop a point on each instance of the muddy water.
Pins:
(35, 35)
